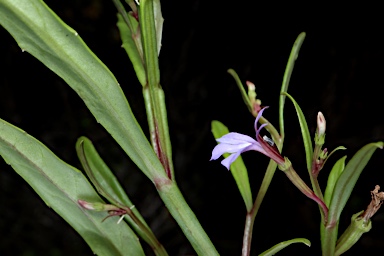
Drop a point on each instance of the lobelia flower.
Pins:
(237, 143)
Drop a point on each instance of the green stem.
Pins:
(146, 234)
(153, 94)
(302, 186)
(250, 217)
(247, 238)
(314, 182)
(182, 213)
(271, 169)
(278, 138)
(328, 239)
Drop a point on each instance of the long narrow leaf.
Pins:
(287, 78)
(41, 33)
(305, 132)
(348, 179)
(60, 186)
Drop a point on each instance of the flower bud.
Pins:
(321, 124)
(98, 207)
(255, 103)
(320, 131)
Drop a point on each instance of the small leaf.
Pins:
(131, 48)
(305, 132)
(238, 169)
(275, 249)
(240, 85)
(334, 175)
(60, 186)
(333, 151)
(158, 23)
(348, 179)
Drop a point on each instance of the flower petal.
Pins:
(261, 127)
(228, 148)
(230, 159)
(235, 138)
(260, 114)
(236, 143)
(256, 147)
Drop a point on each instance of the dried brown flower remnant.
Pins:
(374, 206)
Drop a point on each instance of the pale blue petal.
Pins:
(260, 114)
(261, 127)
(235, 138)
(256, 147)
(227, 148)
(230, 159)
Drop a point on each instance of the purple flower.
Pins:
(237, 143)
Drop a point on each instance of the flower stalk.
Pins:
(300, 184)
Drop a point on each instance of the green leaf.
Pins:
(238, 169)
(304, 131)
(158, 16)
(332, 152)
(243, 93)
(275, 249)
(348, 179)
(334, 175)
(101, 176)
(109, 187)
(61, 186)
(131, 48)
(41, 33)
(287, 77)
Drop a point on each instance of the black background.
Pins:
(339, 72)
